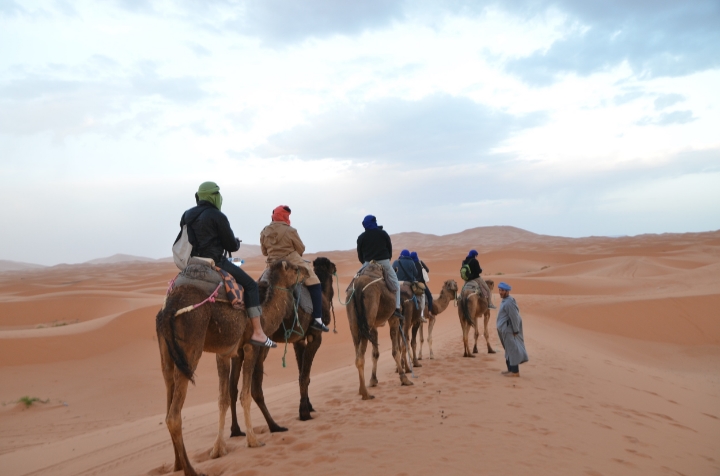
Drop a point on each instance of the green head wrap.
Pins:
(210, 192)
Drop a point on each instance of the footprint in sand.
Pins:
(637, 453)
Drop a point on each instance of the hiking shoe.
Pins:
(423, 319)
(397, 313)
(319, 326)
(491, 305)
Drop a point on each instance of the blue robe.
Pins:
(509, 322)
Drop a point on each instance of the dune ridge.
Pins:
(623, 336)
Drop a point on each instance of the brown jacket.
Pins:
(278, 240)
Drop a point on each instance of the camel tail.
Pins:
(165, 327)
(465, 311)
(361, 316)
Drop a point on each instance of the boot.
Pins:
(316, 297)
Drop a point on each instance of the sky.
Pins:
(570, 118)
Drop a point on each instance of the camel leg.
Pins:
(257, 391)
(413, 344)
(245, 396)
(477, 335)
(235, 369)
(422, 339)
(360, 364)
(487, 334)
(223, 367)
(173, 420)
(168, 370)
(310, 349)
(395, 337)
(431, 324)
(375, 357)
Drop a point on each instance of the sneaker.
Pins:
(315, 324)
(398, 313)
(491, 305)
(423, 319)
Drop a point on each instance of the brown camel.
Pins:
(472, 305)
(218, 328)
(371, 305)
(305, 340)
(448, 294)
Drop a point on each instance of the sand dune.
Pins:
(623, 336)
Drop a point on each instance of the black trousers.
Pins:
(250, 287)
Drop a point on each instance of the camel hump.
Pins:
(203, 277)
(375, 271)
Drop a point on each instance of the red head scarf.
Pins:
(281, 213)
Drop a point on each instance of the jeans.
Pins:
(385, 263)
(250, 287)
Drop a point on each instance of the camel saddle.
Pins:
(300, 293)
(201, 273)
(371, 272)
(472, 287)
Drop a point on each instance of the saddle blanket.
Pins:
(203, 275)
(300, 293)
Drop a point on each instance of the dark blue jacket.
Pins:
(405, 269)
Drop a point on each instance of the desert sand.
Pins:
(623, 336)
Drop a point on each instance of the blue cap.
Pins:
(370, 222)
(504, 286)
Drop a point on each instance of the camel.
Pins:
(472, 305)
(448, 294)
(218, 328)
(305, 340)
(371, 305)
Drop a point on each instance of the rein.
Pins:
(296, 320)
(210, 298)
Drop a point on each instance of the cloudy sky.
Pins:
(573, 118)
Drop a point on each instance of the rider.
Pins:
(279, 241)
(475, 271)
(427, 296)
(405, 269)
(374, 245)
(211, 236)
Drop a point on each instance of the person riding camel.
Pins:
(374, 244)
(475, 271)
(406, 270)
(279, 241)
(427, 296)
(211, 238)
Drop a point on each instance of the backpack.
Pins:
(465, 272)
(182, 248)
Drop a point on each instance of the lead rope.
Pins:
(296, 320)
(210, 298)
(338, 287)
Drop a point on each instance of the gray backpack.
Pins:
(182, 248)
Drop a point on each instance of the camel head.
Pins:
(490, 283)
(451, 286)
(285, 274)
(324, 265)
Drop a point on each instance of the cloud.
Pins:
(666, 100)
(10, 8)
(436, 129)
(668, 118)
(655, 38)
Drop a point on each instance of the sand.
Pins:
(624, 374)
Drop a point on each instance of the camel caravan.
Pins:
(213, 305)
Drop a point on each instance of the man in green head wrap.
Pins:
(209, 192)
(211, 236)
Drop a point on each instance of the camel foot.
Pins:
(255, 443)
(417, 364)
(305, 416)
(491, 351)
(218, 450)
(277, 428)
(236, 432)
(419, 357)
(469, 355)
(405, 381)
(374, 382)
(432, 357)
(368, 397)
(475, 351)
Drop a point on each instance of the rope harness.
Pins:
(296, 319)
(210, 298)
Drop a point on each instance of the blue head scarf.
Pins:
(370, 222)
(404, 254)
(414, 256)
(471, 254)
(504, 286)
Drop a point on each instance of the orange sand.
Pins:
(624, 374)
